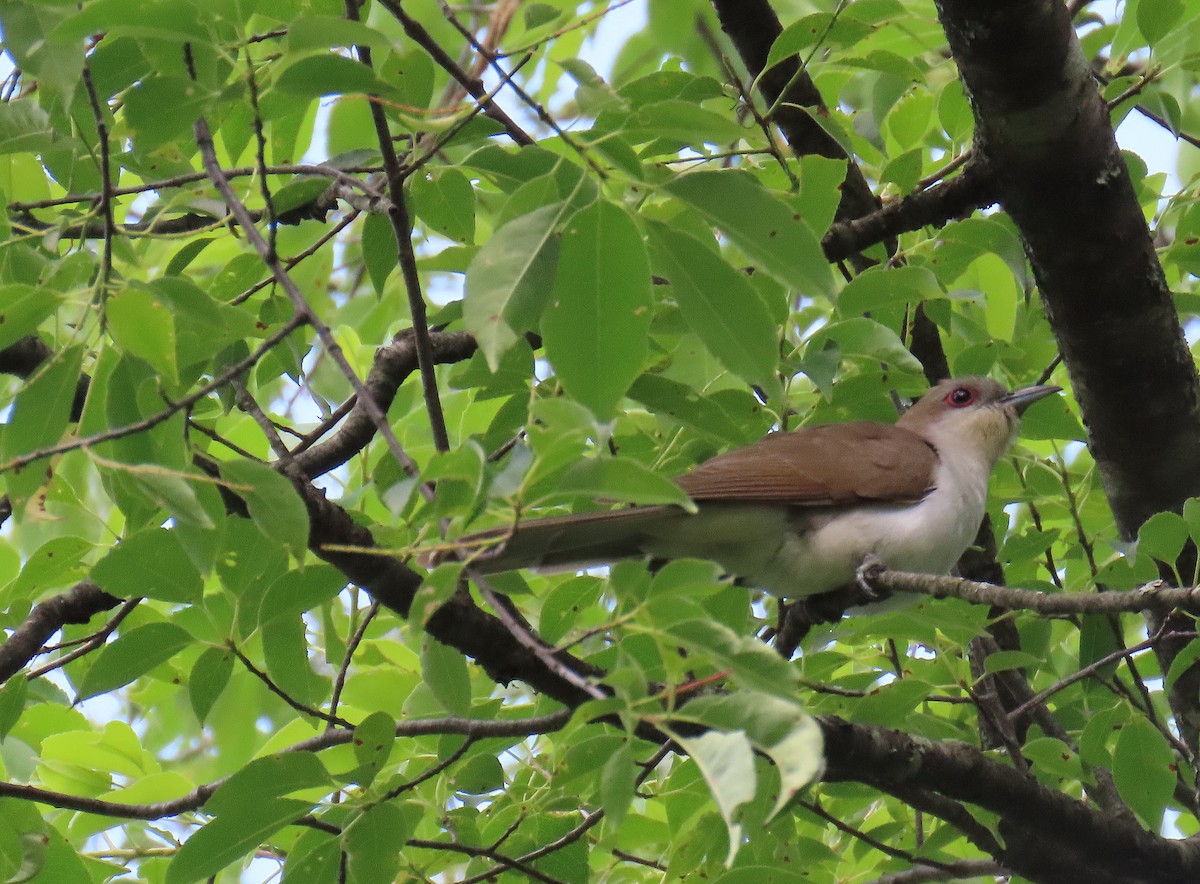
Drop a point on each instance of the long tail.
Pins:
(576, 541)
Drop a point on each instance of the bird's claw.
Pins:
(868, 571)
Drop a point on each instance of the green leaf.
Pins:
(751, 874)
(446, 203)
(187, 253)
(208, 679)
(1162, 537)
(327, 74)
(1156, 18)
(866, 338)
(409, 75)
(719, 304)
(727, 762)
(821, 180)
(286, 650)
(22, 310)
(909, 118)
(1052, 418)
(300, 590)
(160, 109)
(12, 702)
(24, 127)
(538, 14)
(300, 191)
(157, 19)
(752, 662)
(509, 281)
(595, 330)
(777, 727)
(954, 111)
(317, 856)
(176, 495)
(1000, 661)
(618, 782)
(478, 776)
(132, 655)
(231, 836)
(665, 396)
(151, 563)
(445, 672)
(681, 122)
(323, 31)
(878, 287)
(1191, 515)
(274, 505)
(267, 778)
(379, 250)
(892, 702)
(622, 479)
(11, 852)
(53, 563)
(983, 236)
(770, 232)
(38, 419)
(59, 863)
(1143, 770)
(820, 28)
(34, 849)
(370, 843)
(1052, 757)
(373, 740)
(1027, 545)
(143, 326)
(1183, 661)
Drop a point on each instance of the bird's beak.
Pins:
(1026, 396)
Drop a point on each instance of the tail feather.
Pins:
(577, 541)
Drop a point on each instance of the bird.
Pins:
(797, 513)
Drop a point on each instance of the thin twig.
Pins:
(507, 862)
(402, 228)
(422, 38)
(339, 683)
(284, 695)
(250, 406)
(300, 304)
(95, 640)
(1154, 596)
(432, 772)
(532, 642)
(106, 197)
(260, 155)
(341, 176)
(291, 262)
(172, 408)
(490, 57)
(820, 812)
(477, 728)
(1095, 666)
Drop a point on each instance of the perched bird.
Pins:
(797, 513)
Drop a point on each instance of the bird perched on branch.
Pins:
(797, 513)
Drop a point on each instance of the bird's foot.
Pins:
(870, 569)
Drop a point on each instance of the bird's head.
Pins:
(975, 411)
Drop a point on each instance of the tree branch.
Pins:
(77, 605)
(1156, 596)
(1114, 847)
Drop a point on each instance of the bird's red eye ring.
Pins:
(961, 397)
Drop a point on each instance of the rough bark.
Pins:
(1044, 132)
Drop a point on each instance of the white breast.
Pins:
(824, 549)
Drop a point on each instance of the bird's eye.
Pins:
(960, 397)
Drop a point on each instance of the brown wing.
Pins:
(834, 464)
